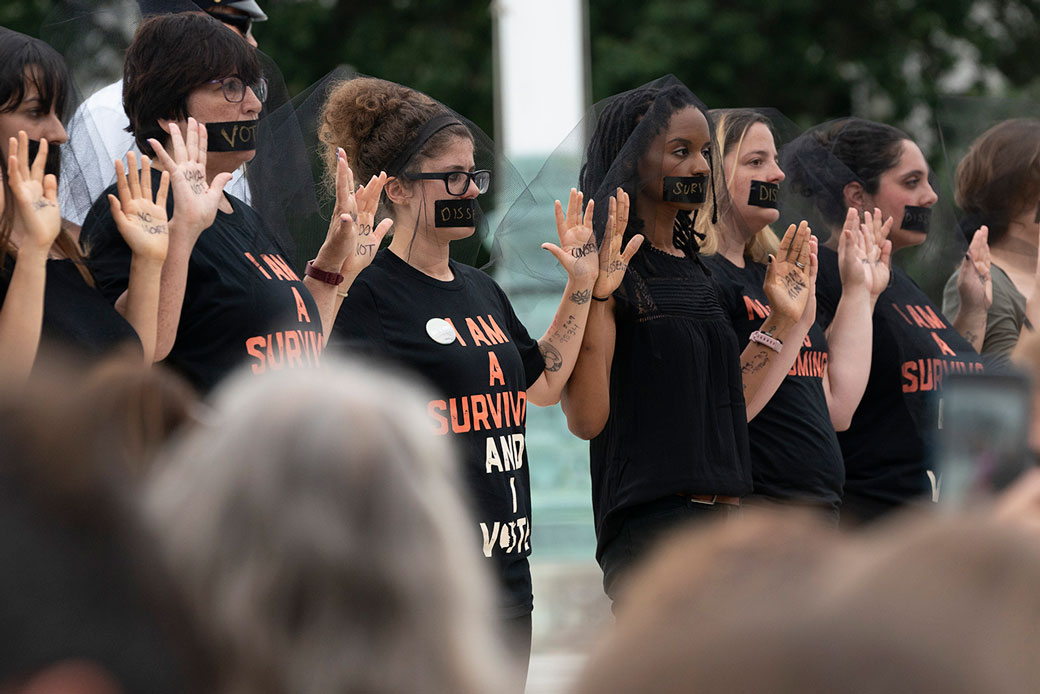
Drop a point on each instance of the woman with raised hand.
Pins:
(36, 246)
(870, 166)
(450, 322)
(662, 381)
(228, 293)
(795, 455)
(998, 185)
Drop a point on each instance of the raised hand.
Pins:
(612, 260)
(577, 249)
(864, 252)
(353, 236)
(195, 201)
(787, 283)
(974, 282)
(141, 221)
(36, 213)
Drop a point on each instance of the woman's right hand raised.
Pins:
(35, 194)
(864, 252)
(789, 277)
(195, 201)
(612, 260)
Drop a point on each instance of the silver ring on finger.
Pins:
(800, 266)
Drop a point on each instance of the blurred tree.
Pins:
(441, 47)
(817, 60)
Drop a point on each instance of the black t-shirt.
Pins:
(677, 420)
(794, 451)
(243, 303)
(76, 317)
(914, 348)
(480, 381)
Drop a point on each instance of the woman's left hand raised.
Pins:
(790, 277)
(975, 282)
(613, 262)
(141, 221)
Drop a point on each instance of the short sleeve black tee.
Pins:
(243, 303)
(76, 317)
(480, 380)
(794, 451)
(677, 422)
(914, 348)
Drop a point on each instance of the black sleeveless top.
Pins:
(677, 420)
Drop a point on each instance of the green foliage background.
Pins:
(811, 59)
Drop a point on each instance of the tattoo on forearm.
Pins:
(754, 364)
(971, 337)
(581, 296)
(552, 356)
(793, 283)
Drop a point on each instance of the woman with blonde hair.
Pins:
(828, 370)
(316, 530)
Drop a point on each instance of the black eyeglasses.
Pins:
(243, 23)
(235, 89)
(457, 182)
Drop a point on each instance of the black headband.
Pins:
(431, 128)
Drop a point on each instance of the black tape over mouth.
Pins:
(685, 188)
(456, 212)
(765, 194)
(916, 218)
(232, 136)
(53, 165)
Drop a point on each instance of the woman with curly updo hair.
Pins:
(450, 322)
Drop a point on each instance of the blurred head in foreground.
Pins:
(777, 604)
(84, 605)
(318, 536)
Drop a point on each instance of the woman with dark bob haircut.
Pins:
(998, 184)
(228, 293)
(859, 164)
(47, 293)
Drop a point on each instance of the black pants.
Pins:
(516, 634)
(644, 527)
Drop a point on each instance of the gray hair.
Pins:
(316, 529)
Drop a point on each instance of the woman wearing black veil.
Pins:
(661, 385)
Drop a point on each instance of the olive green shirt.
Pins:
(1006, 314)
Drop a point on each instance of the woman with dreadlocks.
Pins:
(661, 385)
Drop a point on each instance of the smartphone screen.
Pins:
(982, 444)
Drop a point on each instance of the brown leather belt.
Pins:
(712, 499)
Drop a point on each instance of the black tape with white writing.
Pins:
(685, 188)
(455, 212)
(764, 194)
(916, 218)
(232, 136)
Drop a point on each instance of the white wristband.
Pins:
(767, 340)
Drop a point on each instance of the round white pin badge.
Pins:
(440, 331)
